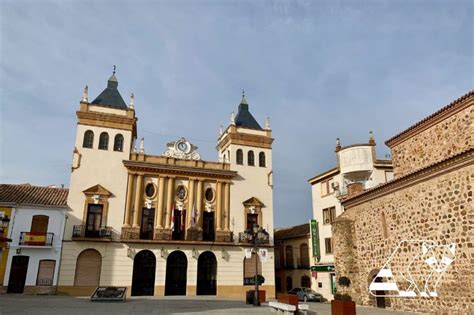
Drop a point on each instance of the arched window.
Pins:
(289, 256)
(250, 158)
(289, 283)
(305, 282)
(104, 141)
(304, 256)
(88, 266)
(249, 266)
(88, 141)
(118, 143)
(39, 224)
(239, 157)
(261, 159)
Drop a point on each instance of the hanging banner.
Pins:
(315, 239)
(263, 253)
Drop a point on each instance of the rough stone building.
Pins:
(429, 199)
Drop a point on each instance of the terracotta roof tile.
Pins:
(292, 232)
(33, 195)
(430, 117)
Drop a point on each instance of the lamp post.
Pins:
(256, 235)
(3, 226)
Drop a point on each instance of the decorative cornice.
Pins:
(106, 120)
(251, 140)
(449, 110)
(178, 170)
(447, 165)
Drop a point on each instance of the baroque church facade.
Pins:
(166, 224)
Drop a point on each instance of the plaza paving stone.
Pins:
(52, 305)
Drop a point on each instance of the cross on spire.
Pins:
(115, 67)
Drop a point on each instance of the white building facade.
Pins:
(357, 170)
(36, 233)
(165, 224)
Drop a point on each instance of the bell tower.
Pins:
(247, 147)
(106, 130)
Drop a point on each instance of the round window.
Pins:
(181, 192)
(150, 190)
(209, 194)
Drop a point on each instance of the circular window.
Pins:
(209, 194)
(150, 190)
(181, 192)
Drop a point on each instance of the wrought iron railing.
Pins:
(36, 239)
(80, 231)
(245, 240)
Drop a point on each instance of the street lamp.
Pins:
(256, 236)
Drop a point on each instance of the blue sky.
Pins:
(319, 69)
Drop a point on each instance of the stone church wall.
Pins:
(443, 139)
(437, 208)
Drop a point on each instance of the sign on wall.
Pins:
(315, 239)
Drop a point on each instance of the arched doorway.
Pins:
(88, 267)
(144, 268)
(377, 301)
(176, 271)
(207, 272)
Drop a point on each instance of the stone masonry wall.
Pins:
(438, 209)
(447, 138)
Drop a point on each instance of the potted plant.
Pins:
(342, 303)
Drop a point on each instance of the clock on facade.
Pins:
(182, 146)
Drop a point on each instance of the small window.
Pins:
(329, 214)
(39, 224)
(104, 141)
(88, 141)
(240, 157)
(327, 187)
(118, 143)
(252, 219)
(45, 273)
(320, 284)
(250, 158)
(261, 159)
(289, 256)
(209, 195)
(150, 190)
(328, 243)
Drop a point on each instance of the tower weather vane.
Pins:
(115, 67)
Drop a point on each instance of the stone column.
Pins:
(190, 202)
(169, 201)
(226, 206)
(138, 199)
(159, 206)
(128, 205)
(218, 206)
(200, 185)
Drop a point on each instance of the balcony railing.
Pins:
(303, 263)
(80, 231)
(243, 239)
(36, 239)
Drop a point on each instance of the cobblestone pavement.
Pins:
(51, 305)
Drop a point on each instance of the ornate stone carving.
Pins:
(182, 149)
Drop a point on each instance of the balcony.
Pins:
(243, 239)
(36, 239)
(79, 232)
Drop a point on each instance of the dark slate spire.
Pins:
(110, 96)
(244, 118)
